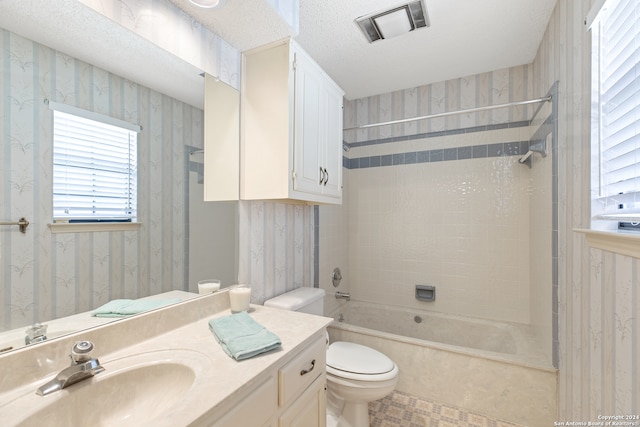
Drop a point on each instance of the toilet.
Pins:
(356, 374)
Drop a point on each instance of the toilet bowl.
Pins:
(356, 374)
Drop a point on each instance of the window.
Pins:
(615, 102)
(94, 167)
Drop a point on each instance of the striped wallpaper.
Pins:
(47, 275)
(44, 275)
(599, 299)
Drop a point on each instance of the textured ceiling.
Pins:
(466, 37)
(244, 24)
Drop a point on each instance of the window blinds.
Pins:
(94, 168)
(616, 38)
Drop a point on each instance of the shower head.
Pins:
(346, 147)
(539, 147)
(524, 158)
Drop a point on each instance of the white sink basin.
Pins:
(135, 390)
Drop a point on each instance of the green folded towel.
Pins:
(129, 307)
(241, 337)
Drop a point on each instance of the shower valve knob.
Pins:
(336, 277)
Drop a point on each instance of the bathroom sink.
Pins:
(134, 390)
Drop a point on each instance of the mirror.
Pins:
(222, 140)
(47, 276)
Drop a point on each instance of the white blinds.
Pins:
(616, 39)
(94, 169)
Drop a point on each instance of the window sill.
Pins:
(93, 227)
(621, 242)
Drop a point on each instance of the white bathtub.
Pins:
(510, 341)
(483, 366)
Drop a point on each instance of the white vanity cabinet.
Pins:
(291, 394)
(291, 127)
(309, 409)
(302, 388)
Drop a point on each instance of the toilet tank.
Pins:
(304, 300)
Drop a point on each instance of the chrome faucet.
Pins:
(343, 295)
(83, 366)
(36, 333)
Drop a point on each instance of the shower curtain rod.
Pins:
(452, 113)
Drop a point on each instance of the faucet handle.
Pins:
(80, 352)
(36, 333)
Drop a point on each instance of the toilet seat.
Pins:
(358, 362)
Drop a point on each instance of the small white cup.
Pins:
(239, 298)
(208, 286)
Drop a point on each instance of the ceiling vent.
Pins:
(392, 23)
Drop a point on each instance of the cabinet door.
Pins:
(256, 409)
(309, 410)
(333, 142)
(308, 128)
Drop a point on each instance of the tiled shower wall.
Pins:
(444, 201)
(460, 225)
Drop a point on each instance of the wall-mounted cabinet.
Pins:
(291, 127)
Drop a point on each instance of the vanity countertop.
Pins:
(187, 328)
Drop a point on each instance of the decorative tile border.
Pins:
(516, 148)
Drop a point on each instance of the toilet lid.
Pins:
(358, 359)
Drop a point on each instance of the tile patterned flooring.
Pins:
(404, 410)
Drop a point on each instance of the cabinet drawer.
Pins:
(295, 376)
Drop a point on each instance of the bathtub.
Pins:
(492, 368)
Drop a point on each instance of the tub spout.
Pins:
(343, 295)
